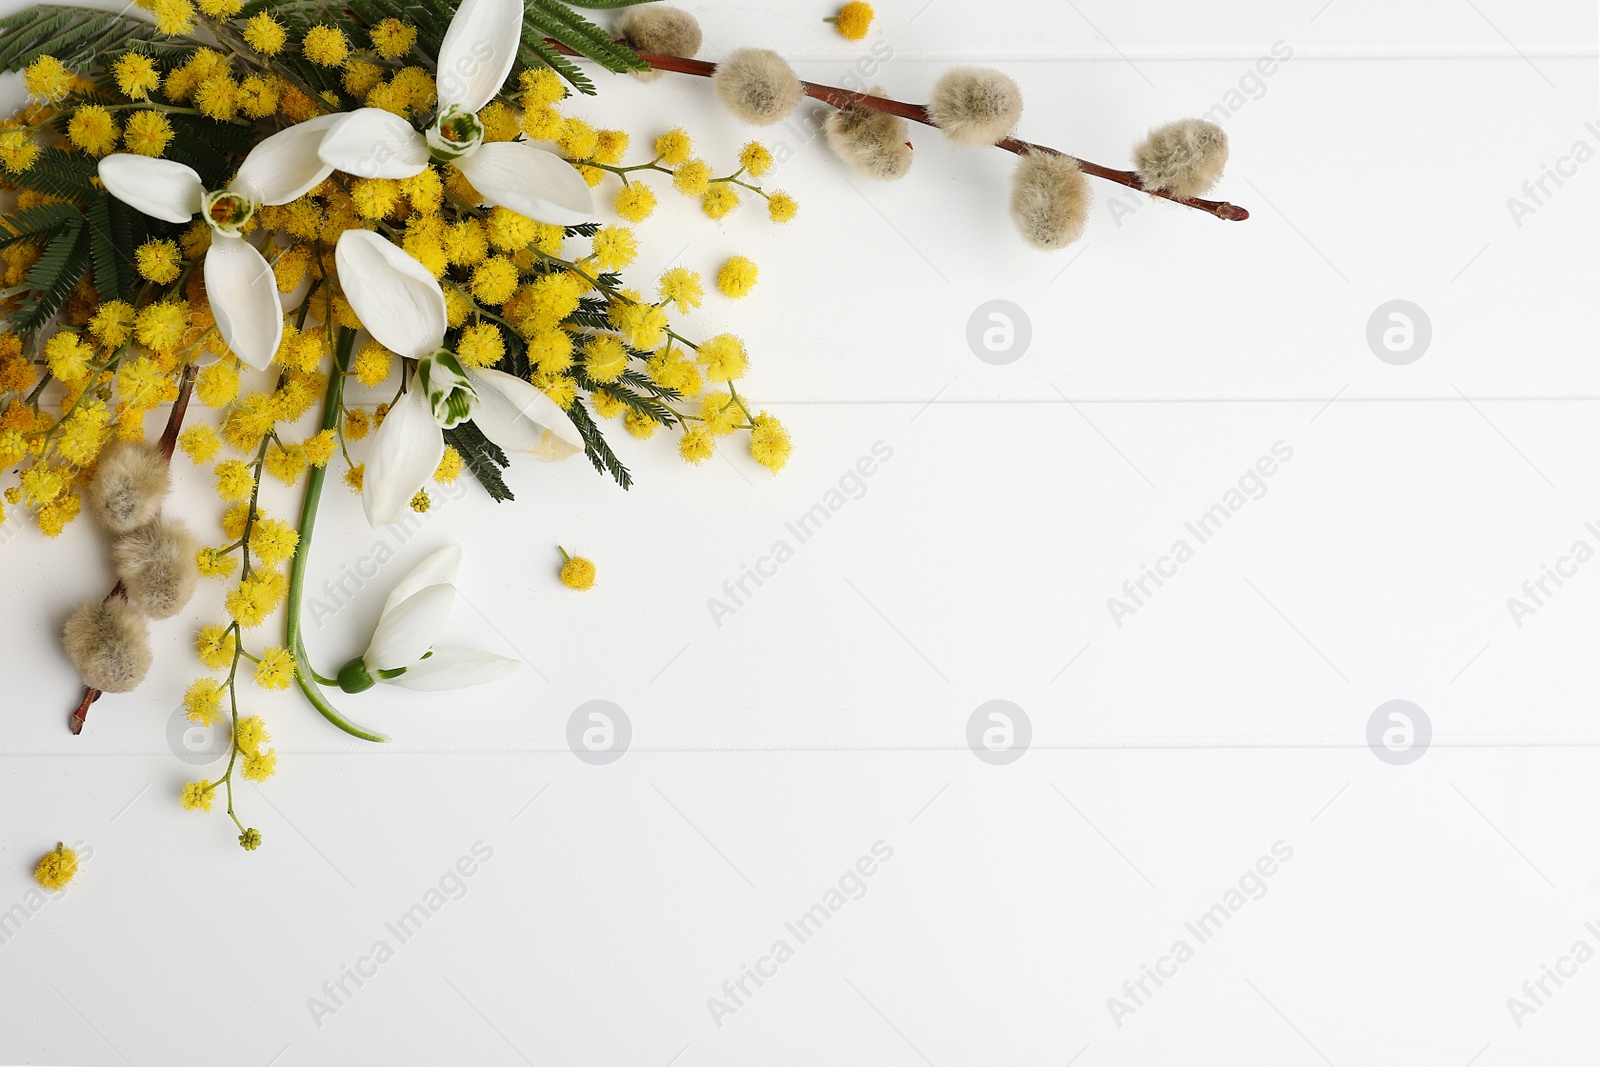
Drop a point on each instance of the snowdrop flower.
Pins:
(474, 60)
(239, 283)
(403, 308)
(402, 653)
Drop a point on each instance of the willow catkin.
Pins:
(975, 106)
(666, 31)
(757, 85)
(1050, 200)
(874, 143)
(109, 644)
(1183, 158)
(127, 485)
(156, 564)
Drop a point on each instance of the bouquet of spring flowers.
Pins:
(248, 205)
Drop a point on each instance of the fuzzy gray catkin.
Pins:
(666, 31)
(757, 85)
(109, 644)
(1050, 200)
(975, 106)
(156, 564)
(873, 143)
(1183, 158)
(129, 480)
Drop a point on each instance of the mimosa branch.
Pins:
(839, 98)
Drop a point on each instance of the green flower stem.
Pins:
(233, 40)
(737, 399)
(304, 676)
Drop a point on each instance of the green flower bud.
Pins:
(354, 677)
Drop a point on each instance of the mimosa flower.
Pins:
(239, 283)
(401, 651)
(475, 58)
(402, 306)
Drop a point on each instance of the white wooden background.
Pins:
(830, 713)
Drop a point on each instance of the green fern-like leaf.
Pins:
(213, 149)
(644, 405)
(103, 251)
(483, 458)
(595, 446)
(129, 228)
(254, 8)
(535, 50)
(584, 37)
(62, 174)
(36, 223)
(431, 17)
(77, 36)
(645, 384)
(53, 277)
(589, 318)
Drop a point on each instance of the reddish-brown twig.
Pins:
(169, 440)
(843, 98)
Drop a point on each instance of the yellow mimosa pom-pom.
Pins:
(55, 869)
(576, 572)
(853, 20)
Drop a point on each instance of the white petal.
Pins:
(393, 295)
(455, 668)
(529, 181)
(406, 451)
(518, 417)
(477, 52)
(160, 188)
(374, 143)
(244, 297)
(439, 568)
(285, 166)
(405, 633)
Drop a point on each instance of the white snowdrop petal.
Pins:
(530, 181)
(244, 298)
(372, 143)
(440, 567)
(405, 633)
(161, 188)
(519, 417)
(406, 451)
(477, 52)
(455, 668)
(393, 295)
(285, 166)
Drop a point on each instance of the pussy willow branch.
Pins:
(169, 440)
(843, 98)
